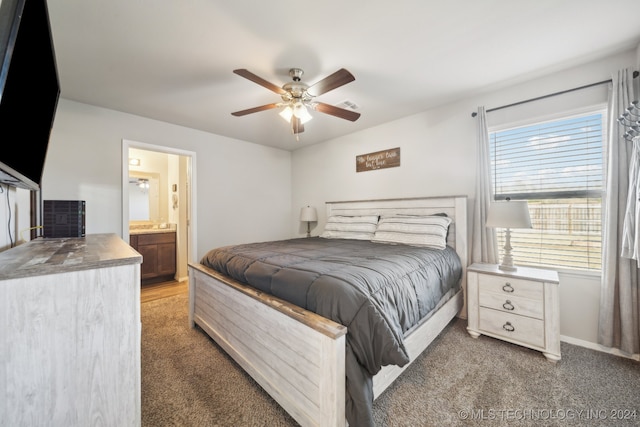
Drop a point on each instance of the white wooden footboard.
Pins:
(418, 341)
(297, 356)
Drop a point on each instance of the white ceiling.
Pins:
(172, 60)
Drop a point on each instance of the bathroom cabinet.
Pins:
(158, 250)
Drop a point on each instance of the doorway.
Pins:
(157, 191)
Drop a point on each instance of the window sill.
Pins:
(589, 274)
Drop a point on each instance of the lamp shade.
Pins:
(300, 111)
(308, 214)
(286, 113)
(509, 214)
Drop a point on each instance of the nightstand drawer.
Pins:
(510, 286)
(520, 329)
(512, 304)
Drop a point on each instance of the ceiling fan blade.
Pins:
(259, 80)
(296, 125)
(337, 79)
(255, 109)
(336, 111)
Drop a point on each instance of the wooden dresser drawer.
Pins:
(510, 286)
(512, 327)
(512, 304)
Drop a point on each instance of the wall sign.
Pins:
(378, 160)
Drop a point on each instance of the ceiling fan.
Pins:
(297, 97)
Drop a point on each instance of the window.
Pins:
(557, 166)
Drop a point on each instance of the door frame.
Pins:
(192, 243)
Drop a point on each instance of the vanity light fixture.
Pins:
(134, 162)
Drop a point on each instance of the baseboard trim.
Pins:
(598, 347)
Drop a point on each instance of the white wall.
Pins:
(14, 216)
(438, 157)
(246, 192)
(243, 189)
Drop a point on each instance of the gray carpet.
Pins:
(187, 380)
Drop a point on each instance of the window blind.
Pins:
(557, 166)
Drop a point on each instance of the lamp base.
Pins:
(507, 259)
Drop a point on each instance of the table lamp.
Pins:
(508, 214)
(309, 215)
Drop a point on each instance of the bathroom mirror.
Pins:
(144, 197)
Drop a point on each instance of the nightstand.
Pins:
(521, 307)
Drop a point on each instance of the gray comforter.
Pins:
(377, 291)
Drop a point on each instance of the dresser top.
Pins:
(527, 273)
(50, 256)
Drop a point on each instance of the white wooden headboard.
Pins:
(454, 206)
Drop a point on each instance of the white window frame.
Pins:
(564, 115)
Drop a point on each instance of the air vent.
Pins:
(348, 104)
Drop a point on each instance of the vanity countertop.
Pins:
(152, 229)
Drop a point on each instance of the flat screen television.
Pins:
(29, 91)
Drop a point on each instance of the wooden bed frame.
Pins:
(297, 356)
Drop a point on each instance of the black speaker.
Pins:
(63, 218)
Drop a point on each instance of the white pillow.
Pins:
(430, 231)
(350, 227)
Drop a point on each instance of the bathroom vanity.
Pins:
(157, 245)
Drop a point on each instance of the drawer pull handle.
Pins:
(508, 327)
(508, 306)
(507, 287)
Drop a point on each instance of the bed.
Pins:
(304, 360)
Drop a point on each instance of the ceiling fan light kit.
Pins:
(296, 109)
(298, 97)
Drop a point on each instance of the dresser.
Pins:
(70, 322)
(521, 307)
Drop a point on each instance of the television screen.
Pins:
(29, 91)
